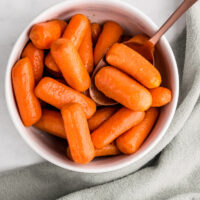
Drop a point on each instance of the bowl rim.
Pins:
(35, 146)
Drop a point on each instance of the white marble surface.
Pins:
(14, 16)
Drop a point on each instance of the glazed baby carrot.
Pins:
(100, 116)
(78, 134)
(131, 141)
(123, 89)
(57, 94)
(86, 51)
(51, 122)
(110, 34)
(42, 35)
(70, 64)
(121, 121)
(142, 46)
(160, 96)
(23, 84)
(51, 65)
(131, 62)
(139, 39)
(96, 30)
(108, 150)
(36, 57)
(76, 29)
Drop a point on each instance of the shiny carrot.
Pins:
(131, 62)
(78, 134)
(23, 84)
(44, 34)
(120, 122)
(110, 34)
(108, 150)
(139, 39)
(123, 89)
(51, 66)
(160, 96)
(58, 95)
(86, 51)
(100, 116)
(96, 30)
(76, 29)
(131, 141)
(36, 57)
(51, 122)
(70, 64)
(142, 46)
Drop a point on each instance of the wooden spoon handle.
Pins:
(172, 19)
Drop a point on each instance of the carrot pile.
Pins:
(53, 75)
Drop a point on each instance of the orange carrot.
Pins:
(120, 87)
(51, 122)
(23, 84)
(44, 34)
(76, 29)
(110, 34)
(142, 46)
(96, 30)
(160, 96)
(131, 62)
(139, 39)
(86, 51)
(121, 121)
(70, 64)
(36, 57)
(100, 116)
(78, 134)
(108, 150)
(125, 38)
(131, 141)
(58, 95)
(51, 66)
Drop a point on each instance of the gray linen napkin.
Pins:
(174, 175)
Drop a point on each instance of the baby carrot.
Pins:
(44, 34)
(131, 62)
(51, 122)
(160, 96)
(96, 30)
(86, 51)
(131, 141)
(110, 34)
(121, 121)
(78, 134)
(100, 116)
(76, 29)
(139, 39)
(70, 64)
(123, 89)
(142, 46)
(36, 57)
(51, 65)
(23, 84)
(108, 150)
(58, 94)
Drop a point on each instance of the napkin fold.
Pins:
(174, 174)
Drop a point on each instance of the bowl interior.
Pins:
(133, 22)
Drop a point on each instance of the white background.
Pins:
(14, 16)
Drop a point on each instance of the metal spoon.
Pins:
(146, 49)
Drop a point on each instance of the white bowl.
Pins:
(133, 22)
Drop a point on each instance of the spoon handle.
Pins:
(172, 19)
